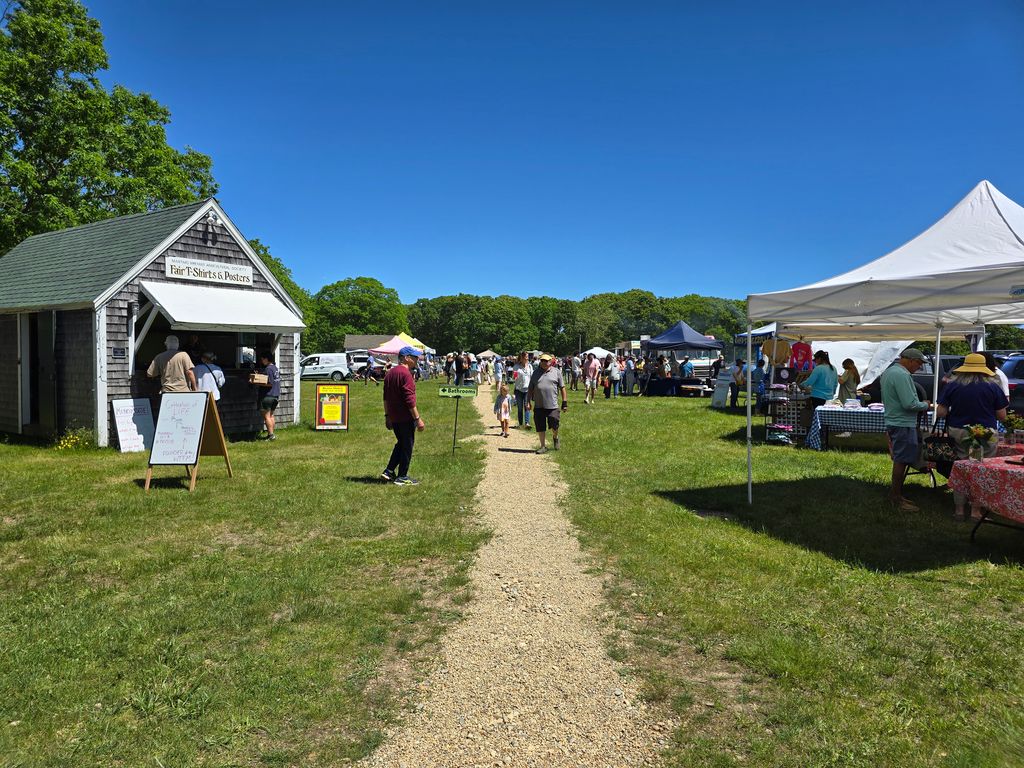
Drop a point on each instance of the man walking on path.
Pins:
(402, 416)
(591, 374)
(901, 410)
(523, 372)
(545, 386)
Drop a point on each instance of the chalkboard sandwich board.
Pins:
(187, 427)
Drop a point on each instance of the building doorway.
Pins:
(39, 373)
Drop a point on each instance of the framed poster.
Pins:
(331, 410)
(720, 396)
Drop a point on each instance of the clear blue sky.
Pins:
(570, 148)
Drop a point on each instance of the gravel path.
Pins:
(524, 679)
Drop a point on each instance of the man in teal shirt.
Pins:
(902, 408)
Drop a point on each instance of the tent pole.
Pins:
(750, 414)
(937, 366)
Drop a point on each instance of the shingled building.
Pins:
(83, 311)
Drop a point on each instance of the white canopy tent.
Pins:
(962, 272)
(599, 352)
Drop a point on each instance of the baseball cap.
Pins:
(912, 354)
(546, 357)
(410, 351)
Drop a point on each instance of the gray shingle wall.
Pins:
(76, 379)
(238, 400)
(10, 418)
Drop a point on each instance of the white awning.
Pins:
(190, 307)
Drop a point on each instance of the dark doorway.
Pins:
(39, 380)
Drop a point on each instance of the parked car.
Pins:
(926, 375)
(357, 362)
(1013, 367)
(332, 366)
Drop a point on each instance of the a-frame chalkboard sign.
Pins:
(187, 427)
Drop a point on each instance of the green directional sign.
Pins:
(457, 391)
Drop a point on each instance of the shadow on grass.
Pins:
(869, 442)
(174, 481)
(850, 522)
(367, 479)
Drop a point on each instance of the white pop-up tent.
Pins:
(962, 272)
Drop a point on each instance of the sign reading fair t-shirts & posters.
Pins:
(331, 406)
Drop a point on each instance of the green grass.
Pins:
(816, 628)
(269, 619)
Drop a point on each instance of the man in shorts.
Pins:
(545, 387)
(268, 402)
(902, 407)
(591, 377)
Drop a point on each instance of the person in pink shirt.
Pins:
(591, 377)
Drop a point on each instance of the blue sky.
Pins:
(576, 147)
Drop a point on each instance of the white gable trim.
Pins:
(195, 218)
(255, 259)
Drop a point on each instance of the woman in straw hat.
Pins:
(972, 397)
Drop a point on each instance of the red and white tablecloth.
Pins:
(1005, 449)
(993, 484)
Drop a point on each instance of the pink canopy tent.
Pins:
(390, 347)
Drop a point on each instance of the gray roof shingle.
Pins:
(75, 266)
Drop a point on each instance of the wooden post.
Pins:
(455, 431)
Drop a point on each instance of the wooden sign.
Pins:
(134, 422)
(461, 391)
(188, 426)
(331, 409)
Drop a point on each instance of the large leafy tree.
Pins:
(354, 305)
(71, 151)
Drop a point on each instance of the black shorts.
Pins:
(543, 417)
(268, 403)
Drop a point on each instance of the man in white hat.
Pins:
(174, 368)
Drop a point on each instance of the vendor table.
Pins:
(660, 387)
(828, 418)
(994, 484)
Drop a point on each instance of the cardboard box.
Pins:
(260, 378)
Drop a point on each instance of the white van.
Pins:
(332, 366)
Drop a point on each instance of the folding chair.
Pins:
(929, 466)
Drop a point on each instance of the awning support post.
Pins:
(938, 369)
(145, 328)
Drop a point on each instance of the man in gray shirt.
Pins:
(545, 387)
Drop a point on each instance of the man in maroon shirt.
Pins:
(402, 416)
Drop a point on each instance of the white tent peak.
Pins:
(967, 268)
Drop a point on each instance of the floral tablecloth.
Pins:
(1005, 449)
(992, 483)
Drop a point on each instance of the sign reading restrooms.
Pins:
(181, 268)
(331, 406)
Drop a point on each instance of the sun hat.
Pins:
(412, 351)
(974, 363)
(912, 354)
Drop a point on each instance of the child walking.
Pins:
(503, 408)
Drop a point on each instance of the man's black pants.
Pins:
(401, 456)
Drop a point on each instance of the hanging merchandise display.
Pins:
(776, 351)
(802, 358)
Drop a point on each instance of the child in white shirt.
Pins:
(503, 408)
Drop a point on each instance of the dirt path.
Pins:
(524, 679)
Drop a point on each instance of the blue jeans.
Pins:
(521, 408)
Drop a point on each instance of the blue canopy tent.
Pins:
(681, 336)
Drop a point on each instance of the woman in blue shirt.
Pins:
(823, 380)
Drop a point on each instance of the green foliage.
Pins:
(72, 152)
(353, 305)
(284, 276)
(562, 326)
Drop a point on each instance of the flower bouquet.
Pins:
(978, 437)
